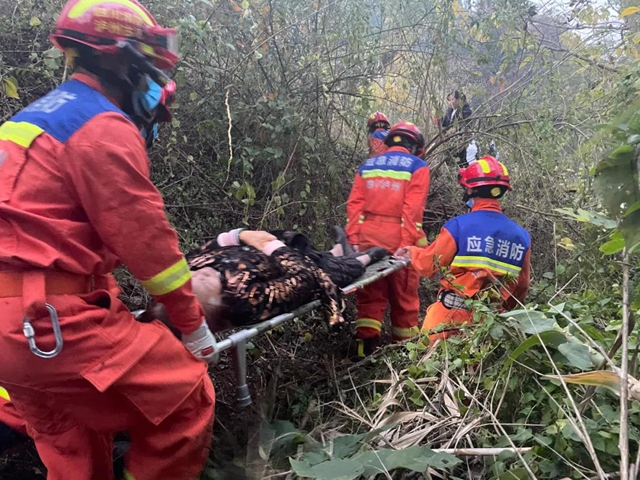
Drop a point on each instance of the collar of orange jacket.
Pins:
(487, 204)
(93, 82)
(397, 149)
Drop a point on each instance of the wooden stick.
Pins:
(481, 452)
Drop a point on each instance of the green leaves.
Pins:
(577, 355)
(336, 469)
(370, 463)
(615, 245)
(546, 331)
(616, 180)
(531, 321)
(53, 58)
(594, 218)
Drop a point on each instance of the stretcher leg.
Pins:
(243, 396)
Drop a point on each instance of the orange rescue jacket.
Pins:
(481, 248)
(75, 196)
(392, 185)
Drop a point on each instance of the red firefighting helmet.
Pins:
(408, 131)
(487, 171)
(378, 117)
(101, 24)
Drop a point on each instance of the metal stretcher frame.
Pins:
(238, 340)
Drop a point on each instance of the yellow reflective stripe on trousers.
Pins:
(399, 332)
(422, 242)
(396, 175)
(21, 133)
(484, 262)
(369, 323)
(168, 280)
(4, 395)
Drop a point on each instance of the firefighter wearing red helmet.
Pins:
(385, 208)
(76, 200)
(483, 250)
(378, 125)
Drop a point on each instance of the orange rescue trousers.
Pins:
(400, 291)
(438, 314)
(113, 374)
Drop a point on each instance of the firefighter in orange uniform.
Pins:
(385, 208)
(378, 125)
(482, 249)
(75, 201)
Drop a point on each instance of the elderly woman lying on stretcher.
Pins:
(244, 277)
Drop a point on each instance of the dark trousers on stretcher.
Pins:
(113, 374)
(400, 292)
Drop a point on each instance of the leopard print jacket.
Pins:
(257, 286)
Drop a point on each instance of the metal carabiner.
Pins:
(30, 334)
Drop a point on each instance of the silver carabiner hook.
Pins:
(30, 334)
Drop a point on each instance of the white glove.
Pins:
(472, 152)
(202, 343)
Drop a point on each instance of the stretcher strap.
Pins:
(33, 293)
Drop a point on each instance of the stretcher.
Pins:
(237, 341)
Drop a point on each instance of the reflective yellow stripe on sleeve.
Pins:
(21, 133)
(4, 395)
(422, 242)
(369, 323)
(169, 279)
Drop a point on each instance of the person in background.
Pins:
(378, 125)
(458, 111)
(479, 251)
(385, 208)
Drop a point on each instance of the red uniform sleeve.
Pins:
(440, 253)
(415, 200)
(109, 170)
(521, 288)
(355, 208)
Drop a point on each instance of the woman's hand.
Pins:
(256, 238)
(403, 252)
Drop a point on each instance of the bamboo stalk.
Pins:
(481, 452)
(624, 371)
